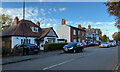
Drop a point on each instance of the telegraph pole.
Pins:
(23, 22)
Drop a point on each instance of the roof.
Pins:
(24, 27)
(75, 27)
(44, 32)
(90, 30)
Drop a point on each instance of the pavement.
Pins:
(93, 58)
(16, 59)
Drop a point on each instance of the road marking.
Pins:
(57, 64)
(84, 55)
(115, 68)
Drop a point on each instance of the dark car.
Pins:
(73, 47)
(84, 44)
(29, 48)
(118, 43)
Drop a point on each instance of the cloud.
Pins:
(54, 25)
(62, 9)
(42, 25)
(105, 23)
(48, 24)
(68, 22)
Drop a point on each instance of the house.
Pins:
(92, 35)
(71, 33)
(32, 33)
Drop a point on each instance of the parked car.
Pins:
(112, 43)
(84, 44)
(104, 44)
(29, 48)
(89, 43)
(118, 43)
(73, 47)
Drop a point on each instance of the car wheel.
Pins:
(74, 51)
(82, 49)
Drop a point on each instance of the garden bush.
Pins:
(53, 46)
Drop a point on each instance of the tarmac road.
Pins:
(93, 58)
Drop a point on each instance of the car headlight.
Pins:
(71, 48)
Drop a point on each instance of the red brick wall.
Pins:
(76, 36)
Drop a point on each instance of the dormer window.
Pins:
(34, 29)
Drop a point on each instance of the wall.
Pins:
(63, 32)
(6, 43)
(17, 40)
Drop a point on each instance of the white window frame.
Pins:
(78, 32)
(83, 33)
(74, 32)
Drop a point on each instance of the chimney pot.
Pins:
(79, 26)
(38, 23)
(89, 26)
(16, 20)
(63, 21)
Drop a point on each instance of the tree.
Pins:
(99, 32)
(116, 36)
(113, 8)
(5, 22)
(104, 38)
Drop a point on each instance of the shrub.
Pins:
(53, 46)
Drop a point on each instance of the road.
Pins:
(93, 58)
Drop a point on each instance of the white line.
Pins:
(84, 55)
(57, 64)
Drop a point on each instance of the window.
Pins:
(34, 29)
(78, 32)
(21, 41)
(74, 32)
(74, 40)
(79, 39)
(82, 33)
(51, 40)
(26, 41)
(29, 41)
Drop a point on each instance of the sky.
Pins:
(50, 14)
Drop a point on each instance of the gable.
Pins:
(51, 33)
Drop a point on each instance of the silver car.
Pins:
(105, 44)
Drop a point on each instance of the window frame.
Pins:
(74, 32)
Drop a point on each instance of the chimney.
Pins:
(79, 26)
(63, 21)
(89, 26)
(16, 20)
(38, 23)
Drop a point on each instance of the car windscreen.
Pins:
(104, 43)
(110, 41)
(71, 44)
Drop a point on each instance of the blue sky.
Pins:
(50, 14)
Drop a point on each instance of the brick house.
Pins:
(33, 34)
(71, 33)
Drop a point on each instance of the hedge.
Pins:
(54, 46)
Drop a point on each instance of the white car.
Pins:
(105, 44)
(112, 43)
